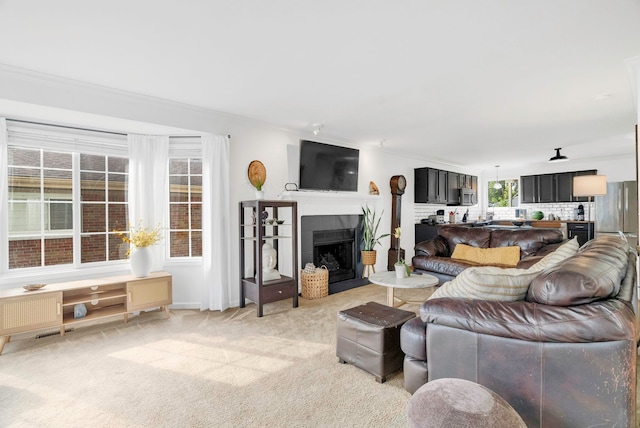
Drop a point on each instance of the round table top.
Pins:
(388, 279)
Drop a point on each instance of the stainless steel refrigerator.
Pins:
(617, 211)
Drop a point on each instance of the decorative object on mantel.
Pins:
(33, 287)
(257, 176)
(139, 253)
(370, 238)
(373, 189)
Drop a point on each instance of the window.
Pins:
(504, 196)
(65, 201)
(40, 199)
(185, 207)
(103, 194)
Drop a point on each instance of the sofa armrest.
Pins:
(435, 247)
(597, 322)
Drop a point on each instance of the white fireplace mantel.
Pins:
(331, 203)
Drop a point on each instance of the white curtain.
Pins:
(216, 220)
(4, 216)
(148, 185)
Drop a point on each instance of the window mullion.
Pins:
(42, 210)
(77, 209)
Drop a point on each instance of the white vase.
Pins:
(140, 260)
(259, 194)
(401, 271)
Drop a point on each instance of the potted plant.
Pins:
(139, 240)
(402, 269)
(370, 236)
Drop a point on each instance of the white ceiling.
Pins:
(469, 82)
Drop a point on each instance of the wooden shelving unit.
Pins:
(23, 311)
(255, 232)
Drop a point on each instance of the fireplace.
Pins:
(334, 241)
(335, 249)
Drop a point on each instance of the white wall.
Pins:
(249, 140)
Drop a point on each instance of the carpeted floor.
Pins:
(206, 369)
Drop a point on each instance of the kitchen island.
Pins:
(570, 228)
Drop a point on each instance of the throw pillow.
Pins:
(488, 283)
(563, 252)
(507, 256)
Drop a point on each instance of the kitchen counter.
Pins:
(527, 222)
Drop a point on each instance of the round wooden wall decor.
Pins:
(257, 174)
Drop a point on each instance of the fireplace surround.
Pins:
(334, 241)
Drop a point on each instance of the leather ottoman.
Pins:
(369, 338)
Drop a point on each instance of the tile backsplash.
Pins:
(561, 211)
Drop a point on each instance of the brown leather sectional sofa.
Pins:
(563, 357)
(434, 256)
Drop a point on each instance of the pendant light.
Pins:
(497, 184)
(558, 157)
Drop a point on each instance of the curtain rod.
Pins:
(96, 130)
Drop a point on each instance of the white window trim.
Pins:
(58, 139)
(182, 148)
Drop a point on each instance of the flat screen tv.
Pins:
(327, 167)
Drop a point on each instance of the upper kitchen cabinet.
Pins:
(528, 189)
(435, 186)
(441, 197)
(564, 186)
(426, 188)
(547, 188)
(453, 188)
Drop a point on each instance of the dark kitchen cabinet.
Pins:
(441, 196)
(420, 179)
(453, 188)
(474, 187)
(583, 231)
(435, 186)
(430, 186)
(528, 189)
(426, 232)
(564, 187)
(546, 188)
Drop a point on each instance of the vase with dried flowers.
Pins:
(140, 239)
(402, 269)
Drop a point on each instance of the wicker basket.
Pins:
(315, 285)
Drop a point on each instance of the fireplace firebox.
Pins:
(333, 241)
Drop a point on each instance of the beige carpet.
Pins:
(228, 369)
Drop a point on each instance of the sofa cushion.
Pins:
(488, 283)
(507, 256)
(529, 240)
(594, 273)
(563, 252)
(475, 236)
(442, 265)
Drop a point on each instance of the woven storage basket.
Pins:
(315, 285)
